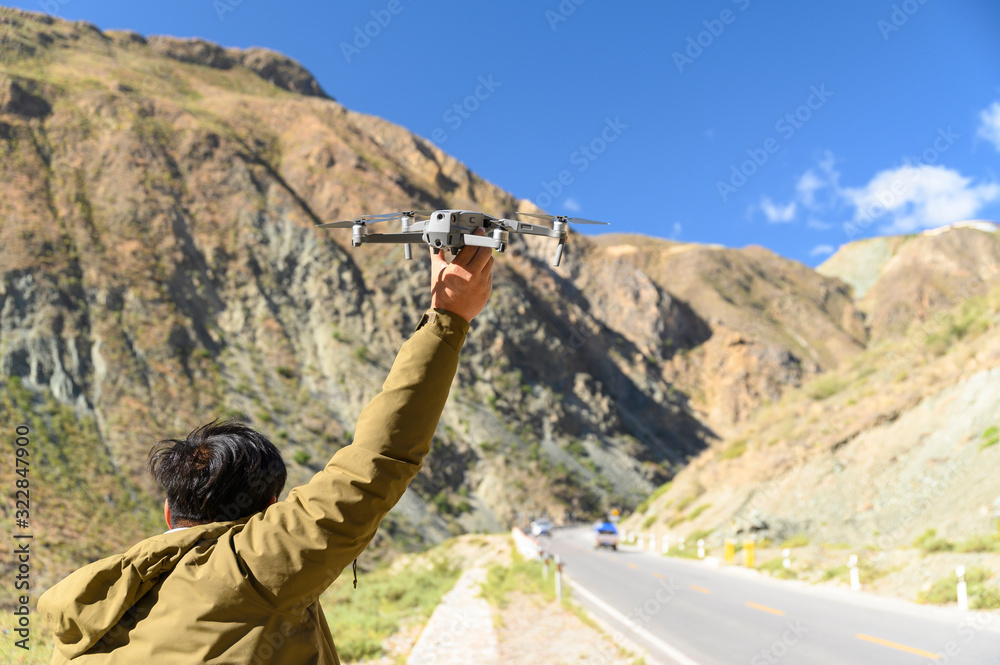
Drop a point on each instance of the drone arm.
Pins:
(532, 229)
(480, 241)
(391, 238)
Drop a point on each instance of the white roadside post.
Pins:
(855, 579)
(701, 549)
(680, 545)
(652, 542)
(666, 544)
(963, 595)
(786, 562)
(639, 543)
(558, 579)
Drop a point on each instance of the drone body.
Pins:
(454, 229)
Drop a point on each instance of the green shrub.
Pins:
(301, 457)
(361, 354)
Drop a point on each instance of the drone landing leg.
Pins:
(407, 252)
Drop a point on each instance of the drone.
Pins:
(454, 229)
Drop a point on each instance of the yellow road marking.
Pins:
(765, 608)
(633, 566)
(700, 589)
(658, 576)
(901, 647)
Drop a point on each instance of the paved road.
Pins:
(689, 613)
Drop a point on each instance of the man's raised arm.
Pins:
(296, 548)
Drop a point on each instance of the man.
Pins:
(238, 577)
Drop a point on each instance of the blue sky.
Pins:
(794, 125)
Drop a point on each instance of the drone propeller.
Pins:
(372, 219)
(561, 218)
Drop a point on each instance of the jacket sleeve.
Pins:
(296, 548)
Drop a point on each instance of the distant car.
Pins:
(605, 535)
(541, 527)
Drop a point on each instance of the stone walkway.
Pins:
(461, 629)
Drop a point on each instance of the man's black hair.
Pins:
(222, 471)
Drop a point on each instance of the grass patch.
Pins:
(521, 575)
(701, 534)
(776, 568)
(699, 510)
(945, 590)
(657, 493)
(735, 450)
(366, 616)
(929, 543)
(837, 572)
(980, 543)
(990, 437)
(826, 386)
(798, 540)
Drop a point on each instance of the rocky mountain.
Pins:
(162, 267)
(896, 442)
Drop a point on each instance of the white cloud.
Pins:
(807, 186)
(676, 231)
(572, 205)
(911, 198)
(777, 214)
(989, 127)
(821, 250)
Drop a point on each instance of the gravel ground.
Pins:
(531, 630)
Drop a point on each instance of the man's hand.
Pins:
(463, 286)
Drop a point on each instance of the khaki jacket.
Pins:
(247, 591)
